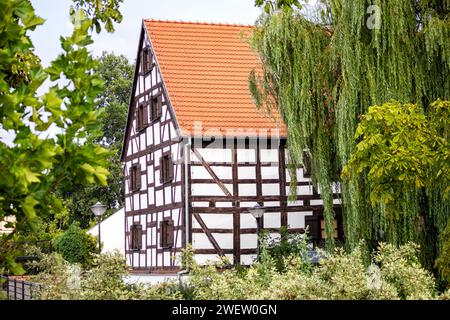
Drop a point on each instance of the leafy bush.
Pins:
(401, 268)
(104, 281)
(76, 245)
(395, 273)
(288, 246)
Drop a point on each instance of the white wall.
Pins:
(112, 232)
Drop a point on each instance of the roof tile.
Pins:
(205, 68)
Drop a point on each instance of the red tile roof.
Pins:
(205, 68)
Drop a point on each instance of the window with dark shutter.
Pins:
(135, 176)
(312, 222)
(142, 116)
(136, 236)
(146, 59)
(166, 168)
(156, 107)
(166, 233)
(307, 169)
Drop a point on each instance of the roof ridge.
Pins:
(199, 22)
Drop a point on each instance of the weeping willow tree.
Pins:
(322, 75)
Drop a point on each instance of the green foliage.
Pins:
(100, 11)
(273, 5)
(399, 150)
(288, 246)
(76, 245)
(104, 281)
(443, 261)
(35, 165)
(401, 268)
(340, 275)
(405, 157)
(117, 74)
(322, 76)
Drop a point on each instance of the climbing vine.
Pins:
(321, 76)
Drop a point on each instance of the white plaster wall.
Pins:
(112, 232)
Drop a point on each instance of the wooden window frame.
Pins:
(316, 226)
(166, 229)
(135, 177)
(155, 102)
(136, 236)
(146, 60)
(142, 116)
(166, 168)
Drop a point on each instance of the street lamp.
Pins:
(98, 209)
(257, 212)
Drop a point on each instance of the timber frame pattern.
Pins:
(213, 182)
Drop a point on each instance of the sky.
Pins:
(125, 39)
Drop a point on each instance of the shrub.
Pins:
(401, 268)
(394, 274)
(76, 245)
(289, 245)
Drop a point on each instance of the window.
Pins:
(307, 170)
(146, 58)
(135, 177)
(316, 224)
(166, 233)
(166, 168)
(156, 107)
(142, 116)
(322, 229)
(136, 236)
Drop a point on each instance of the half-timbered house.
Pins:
(198, 153)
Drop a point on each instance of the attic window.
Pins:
(156, 107)
(166, 233)
(147, 58)
(135, 177)
(142, 116)
(136, 236)
(166, 168)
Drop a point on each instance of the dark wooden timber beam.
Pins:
(205, 229)
(212, 173)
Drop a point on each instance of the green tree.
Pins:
(35, 165)
(76, 246)
(323, 75)
(405, 157)
(117, 73)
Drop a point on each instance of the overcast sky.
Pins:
(125, 39)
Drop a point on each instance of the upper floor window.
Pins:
(156, 107)
(166, 168)
(142, 116)
(135, 177)
(146, 58)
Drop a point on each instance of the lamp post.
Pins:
(98, 209)
(257, 212)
